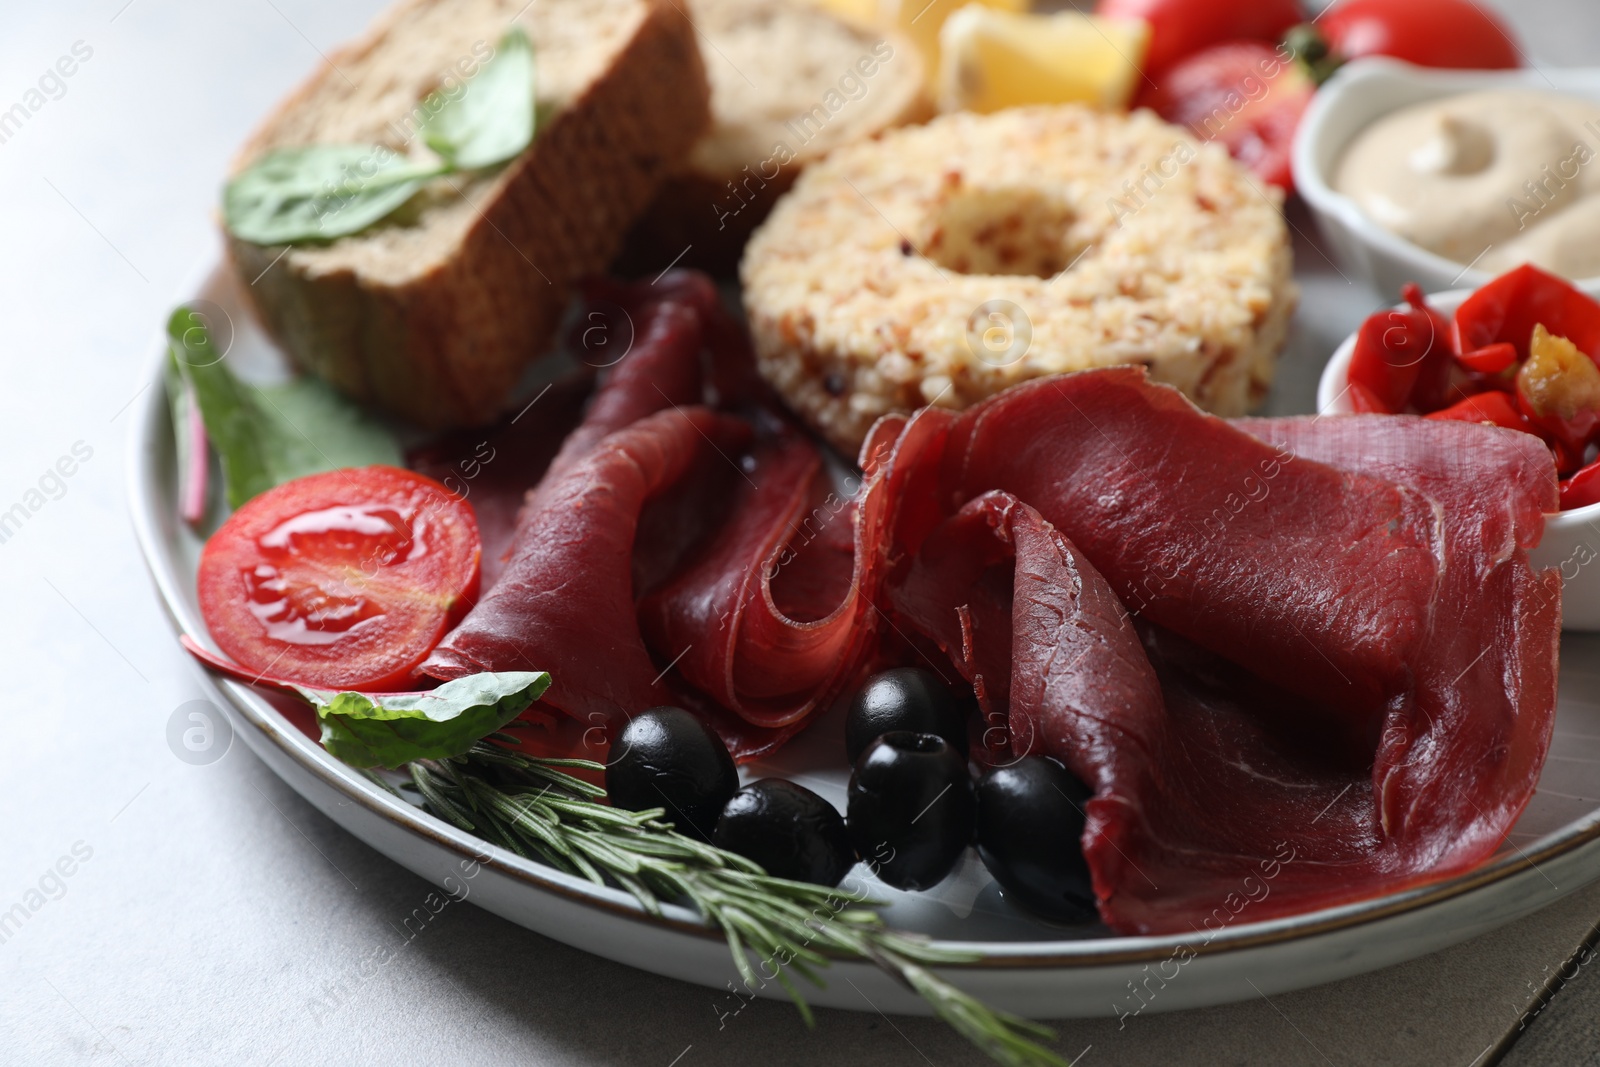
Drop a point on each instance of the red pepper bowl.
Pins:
(1571, 538)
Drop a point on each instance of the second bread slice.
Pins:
(790, 82)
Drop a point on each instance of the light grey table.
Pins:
(212, 917)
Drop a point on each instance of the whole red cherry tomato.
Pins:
(1180, 28)
(1242, 94)
(1429, 33)
(341, 580)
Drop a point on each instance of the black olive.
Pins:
(906, 698)
(667, 758)
(1030, 826)
(912, 808)
(789, 830)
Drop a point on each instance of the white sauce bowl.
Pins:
(1363, 92)
(1571, 538)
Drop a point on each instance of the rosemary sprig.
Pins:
(536, 809)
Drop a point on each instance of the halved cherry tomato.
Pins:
(341, 580)
(1243, 94)
(1495, 408)
(1180, 28)
(1582, 489)
(1429, 33)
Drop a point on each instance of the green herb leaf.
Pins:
(323, 191)
(378, 730)
(271, 435)
(319, 192)
(489, 119)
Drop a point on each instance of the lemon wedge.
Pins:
(997, 59)
(866, 12)
(921, 20)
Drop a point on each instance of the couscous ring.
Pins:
(942, 263)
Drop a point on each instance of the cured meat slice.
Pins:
(1144, 484)
(743, 583)
(1203, 786)
(661, 369)
(769, 619)
(658, 340)
(492, 468)
(1055, 662)
(565, 603)
(1456, 765)
(1225, 796)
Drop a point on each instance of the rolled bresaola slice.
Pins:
(769, 617)
(1317, 579)
(710, 548)
(1264, 806)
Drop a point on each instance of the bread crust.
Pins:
(440, 335)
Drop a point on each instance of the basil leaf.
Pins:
(323, 191)
(271, 435)
(369, 730)
(319, 192)
(489, 119)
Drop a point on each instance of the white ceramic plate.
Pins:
(1022, 965)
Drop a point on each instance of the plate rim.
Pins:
(250, 710)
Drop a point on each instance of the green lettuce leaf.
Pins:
(390, 730)
(266, 436)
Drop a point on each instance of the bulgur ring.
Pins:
(940, 264)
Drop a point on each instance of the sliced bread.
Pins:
(790, 82)
(434, 313)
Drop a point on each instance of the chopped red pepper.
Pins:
(1364, 401)
(1393, 349)
(1490, 359)
(1523, 352)
(1491, 407)
(1508, 308)
(1582, 489)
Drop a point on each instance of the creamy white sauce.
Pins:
(1495, 179)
